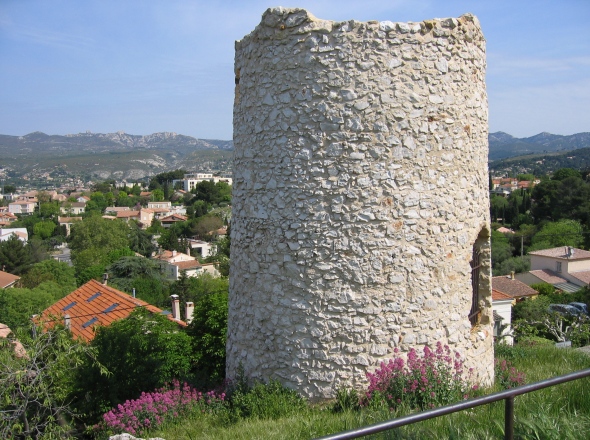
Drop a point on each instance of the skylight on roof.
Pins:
(69, 306)
(89, 323)
(111, 308)
(96, 295)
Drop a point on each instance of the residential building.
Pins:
(189, 182)
(21, 233)
(22, 207)
(203, 248)
(502, 310)
(171, 219)
(163, 204)
(6, 218)
(68, 222)
(564, 267)
(176, 262)
(73, 208)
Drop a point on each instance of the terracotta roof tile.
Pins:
(583, 276)
(92, 305)
(499, 296)
(512, 287)
(7, 279)
(185, 265)
(548, 276)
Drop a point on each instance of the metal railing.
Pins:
(506, 395)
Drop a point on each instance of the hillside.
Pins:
(112, 155)
(503, 145)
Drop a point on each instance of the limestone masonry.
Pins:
(360, 198)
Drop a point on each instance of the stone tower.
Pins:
(360, 198)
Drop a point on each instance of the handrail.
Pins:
(507, 395)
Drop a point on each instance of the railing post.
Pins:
(509, 418)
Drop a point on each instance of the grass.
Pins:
(560, 412)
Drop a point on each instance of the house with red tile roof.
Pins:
(171, 219)
(7, 280)
(6, 218)
(96, 304)
(564, 267)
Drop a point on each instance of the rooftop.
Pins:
(512, 287)
(563, 252)
(95, 304)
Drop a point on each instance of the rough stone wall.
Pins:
(360, 190)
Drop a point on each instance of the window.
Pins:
(475, 269)
(559, 267)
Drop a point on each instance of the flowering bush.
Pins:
(153, 409)
(506, 375)
(433, 379)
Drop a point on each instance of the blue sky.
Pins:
(145, 66)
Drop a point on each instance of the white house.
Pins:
(22, 207)
(190, 180)
(21, 233)
(565, 267)
(502, 309)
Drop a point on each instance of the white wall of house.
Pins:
(504, 309)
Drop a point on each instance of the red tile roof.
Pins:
(174, 218)
(512, 287)
(583, 276)
(499, 296)
(7, 279)
(185, 265)
(548, 276)
(94, 304)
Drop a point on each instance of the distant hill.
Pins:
(503, 145)
(541, 164)
(111, 155)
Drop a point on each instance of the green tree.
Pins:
(501, 248)
(555, 234)
(209, 331)
(564, 173)
(44, 229)
(49, 210)
(50, 270)
(206, 227)
(157, 195)
(9, 189)
(35, 391)
(15, 256)
(18, 305)
(97, 233)
(140, 240)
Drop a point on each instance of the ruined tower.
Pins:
(360, 218)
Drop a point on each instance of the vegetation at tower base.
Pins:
(141, 352)
(273, 413)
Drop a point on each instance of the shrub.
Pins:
(151, 410)
(265, 401)
(506, 375)
(434, 379)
